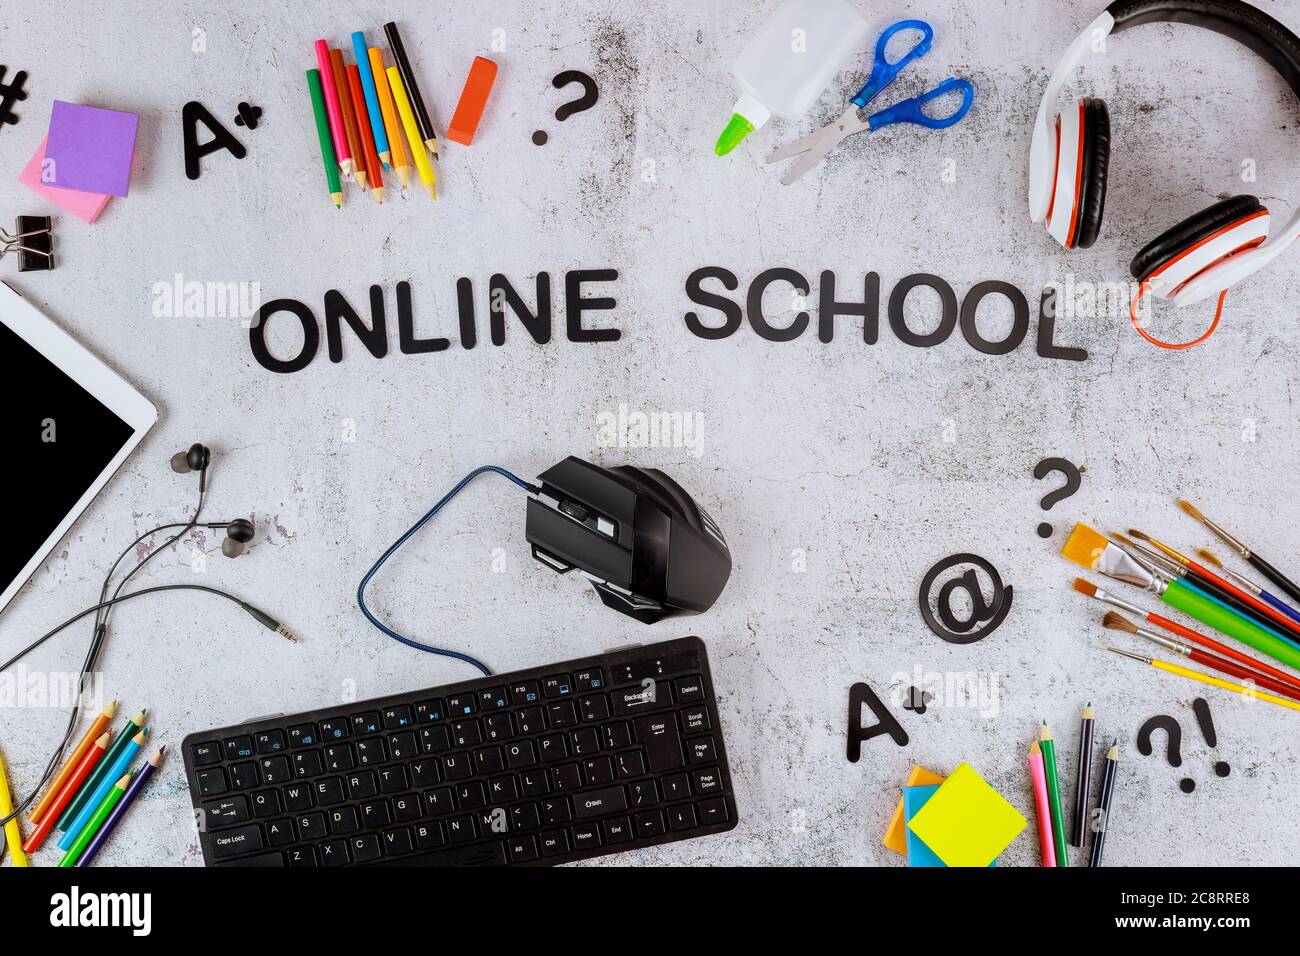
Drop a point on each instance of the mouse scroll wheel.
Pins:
(574, 510)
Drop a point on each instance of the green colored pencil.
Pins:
(115, 793)
(326, 138)
(102, 768)
(1048, 746)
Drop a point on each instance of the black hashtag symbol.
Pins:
(11, 93)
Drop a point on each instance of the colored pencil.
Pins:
(1083, 777)
(373, 170)
(1042, 803)
(412, 88)
(392, 125)
(123, 741)
(1207, 679)
(1260, 565)
(334, 111)
(138, 782)
(13, 836)
(96, 728)
(118, 766)
(326, 142)
(102, 810)
(1048, 746)
(1210, 559)
(1173, 627)
(1107, 793)
(372, 97)
(93, 756)
(422, 164)
(1117, 622)
(349, 117)
(1274, 617)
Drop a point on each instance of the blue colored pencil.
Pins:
(120, 767)
(137, 784)
(372, 96)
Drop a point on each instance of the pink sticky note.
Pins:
(85, 206)
(90, 149)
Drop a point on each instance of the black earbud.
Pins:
(238, 534)
(196, 458)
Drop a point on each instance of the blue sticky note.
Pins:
(918, 854)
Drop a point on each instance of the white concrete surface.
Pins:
(837, 451)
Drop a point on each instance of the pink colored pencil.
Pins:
(332, 107)
(1039, 776)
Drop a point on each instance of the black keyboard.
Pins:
(560, 763)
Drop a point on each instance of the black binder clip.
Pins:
(33, 241)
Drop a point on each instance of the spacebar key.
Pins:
(479, 854)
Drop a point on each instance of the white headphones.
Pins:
(1203, 255)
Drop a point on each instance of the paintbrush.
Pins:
(1206, 678)
(1272, 617)
(1117, 622)
(1212, 560)
(1093, 591)
(1262, 566)
(1092, 550)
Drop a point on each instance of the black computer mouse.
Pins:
(648, 549)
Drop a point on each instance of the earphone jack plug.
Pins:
(270, 623)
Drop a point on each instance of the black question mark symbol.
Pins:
(1072, 483)
(590, 94)
(1174, 732)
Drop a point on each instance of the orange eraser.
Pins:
(473, 98)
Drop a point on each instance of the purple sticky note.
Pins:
(90, 149)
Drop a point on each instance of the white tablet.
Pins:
(70, 423)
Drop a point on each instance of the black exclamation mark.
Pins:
(1202, 710)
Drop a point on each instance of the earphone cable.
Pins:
(361, 589)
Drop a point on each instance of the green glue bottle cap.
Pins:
(748, 115)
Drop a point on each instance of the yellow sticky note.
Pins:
(895, 835)
(967, 822)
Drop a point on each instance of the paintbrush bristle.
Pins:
(1141, 536)
(1209, 558)
(1190, 509)
(1085, 587)
(1084, 546)
(1118, 622)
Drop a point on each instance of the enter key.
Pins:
(662, 743)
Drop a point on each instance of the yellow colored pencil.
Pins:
(13, 836)
(1212, 681)
(392, 126)
(421, 157)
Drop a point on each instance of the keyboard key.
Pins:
(695, 720)
(559, 685)
(520, 754)
(466, 733)
(205, 754)
(307, 763)
(566, 776)
(706, 782)
(522, 849)
(439, 801)
(649, 824)
(598, 770)
(243, 776)
(561, 714)
(599, 803)
(470, 796)
(482, 854)
(554, 842)
(302, 735)
(224, 812)
(461, 705)
(502, 790)
(392, 779)
(339, 757)
(489, 760)
(333, 728)
(525, 816)
(398, 717)
(642, 793)
(406, 808)
(628, 764)
(591, 679)
(239, 748)
(327, 791)
(424, 773)
(296, 797)
(556, 810)
(653, 695)
(429, 836)
(663, 745)
(266, 803)
(343, 820)
(585, 741)
(334, 853)
(427, 711)
(700, 750)
(713, 810)
(460, 829)
(211, 782)
(586, 837)
(618, 831)
(689, 690)
(618, 735)
(270, 742)
(676, 786)
(530, 720)
(375, 814)
(370, 752)
(525, 692)
(402, 746)
(363, 725)
(552, 748)
(311, 826)
(398, 842)
(456, 767)
(494, 698)
(534, 783)
(435, 740)
(262, 859)
(279, 832)
(498, 727)
(595, 707)
(239, 840)
(303, 856)
(681, 817)
(361, 785)
(276, 770)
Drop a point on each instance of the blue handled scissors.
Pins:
(883, 72)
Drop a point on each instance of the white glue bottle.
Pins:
(790, 61)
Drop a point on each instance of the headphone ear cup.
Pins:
(1194, 229)
(1096, 167)
(238, 533)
